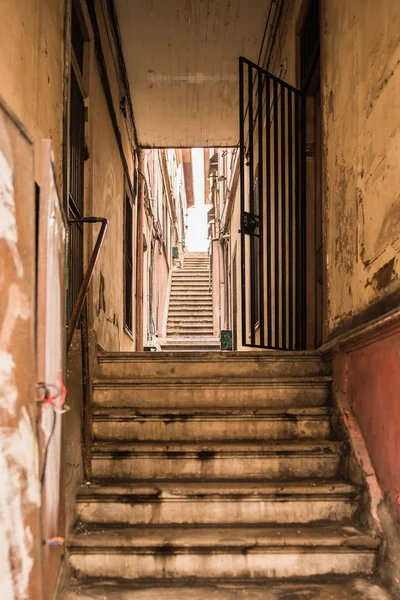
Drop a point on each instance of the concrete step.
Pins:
(182, 299)
(222, 364)
(190, 323)
(342, 588)
(224, 552)
(264, 392)
(193, 348)
(191, 275)
(193, 314)
(206, 301)
(189, 317)
(218, 502)
(173, 345)
(198, 306)
(181, 309)
(175, 330)
(190, 330)
(190, 288)
(191, 298)
(215, 460)
(195, 281)
(163, 424)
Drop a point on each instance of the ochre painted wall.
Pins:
(361, 71)
(32, 84)
(32, 66)
(360, 74)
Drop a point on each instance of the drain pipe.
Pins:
(139, 253)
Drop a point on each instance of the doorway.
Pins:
(310, 82)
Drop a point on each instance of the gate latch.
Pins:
(250, 223)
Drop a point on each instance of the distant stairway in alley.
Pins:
(190, 316)
(217, 476)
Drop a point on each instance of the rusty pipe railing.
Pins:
(76, 313)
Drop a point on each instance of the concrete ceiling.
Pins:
(182, 62)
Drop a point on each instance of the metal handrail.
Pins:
(83, 290)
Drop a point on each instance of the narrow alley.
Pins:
(199, 300)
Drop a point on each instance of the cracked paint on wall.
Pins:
(19, 482)
(19, 491)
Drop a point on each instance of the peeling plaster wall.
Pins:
(32, 71)
(20, 548)
(360, 62)
(32, 67)
(362, 144)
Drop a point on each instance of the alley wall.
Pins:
(35, 63)
(360, 58)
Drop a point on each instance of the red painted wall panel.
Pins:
(374, 386)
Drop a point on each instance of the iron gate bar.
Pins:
(261, 206)
(268, 240)
(242, 193)
(290, 220)
(251, 185)
(276, 214)
(272, 211)
(283, 215)
(302, 315)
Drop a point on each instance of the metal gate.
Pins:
(272, 178)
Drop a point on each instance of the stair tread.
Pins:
(213, 448)
(237, 356)
(228, 489)
(163, 538)
(164, 413)
(206, 380)
(356, 588)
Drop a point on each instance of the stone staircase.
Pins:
(217, 475)
(190, 315)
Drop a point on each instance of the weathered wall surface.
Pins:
(20, 548)
(360, 58)
(106, 197)
(32, 62)
(361, 71)
(32, 84)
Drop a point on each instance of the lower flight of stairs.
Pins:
(190, 324)
(217, 475)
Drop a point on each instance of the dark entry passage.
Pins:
(272, 119)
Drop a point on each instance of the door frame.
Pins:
(310, 87)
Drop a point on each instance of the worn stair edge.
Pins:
(213, 449)
(163, 539)
(172, 552)
(264, 381)
(172, 490)
(335, 589)
(212, 424)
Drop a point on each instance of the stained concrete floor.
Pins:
(354, 589)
